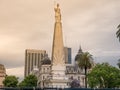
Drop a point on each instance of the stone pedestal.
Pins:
(58, 77)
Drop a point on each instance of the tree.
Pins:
(104, 76)
(85, 61)
(29, 81)
(22, 84)
(10, 81)
(118, 36)
(118, 63)
(118, 32)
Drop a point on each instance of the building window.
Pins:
(78, 77)
(43, 84)
(35, 55)
(38, 59)
(71, 77)
(43, 77)
(47, 69)
(41, 56)
(69, 56)
(67, 84)
(28, 66)
(43, 70)
(32, 56)
(83, 79)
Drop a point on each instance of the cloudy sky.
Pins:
(29, 24)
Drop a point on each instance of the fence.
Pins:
(33, 88)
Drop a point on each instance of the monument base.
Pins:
(57, 83)
(58, 77)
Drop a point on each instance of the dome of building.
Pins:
(46, 60)
(78, 54)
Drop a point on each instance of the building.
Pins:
(78, 54)
(33, 60)
(68, 56)
(73, 72)
(44, 72)
(2, 74)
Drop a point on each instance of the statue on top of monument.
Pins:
(57, 14)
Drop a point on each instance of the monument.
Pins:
(58, 67)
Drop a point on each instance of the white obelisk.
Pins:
(58, 58)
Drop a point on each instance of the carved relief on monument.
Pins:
(58, 59)
(57, 14)
(60, 62)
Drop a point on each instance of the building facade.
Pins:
(2, 74)
(68, 55)
(33, 59)
(44, 72)
(72, 72)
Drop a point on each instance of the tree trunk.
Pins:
(85, 77)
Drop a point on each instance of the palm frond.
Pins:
(118, 26)
(85, 60)
(118, 32)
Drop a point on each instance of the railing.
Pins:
(33, 88)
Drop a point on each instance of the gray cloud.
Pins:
(30, 24)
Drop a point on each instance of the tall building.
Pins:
(68, 57)
(2, 74)
(33, 60)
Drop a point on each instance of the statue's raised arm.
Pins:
(57, 14)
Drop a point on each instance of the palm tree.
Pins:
(118, 63)
(118, 32)
(85, 61)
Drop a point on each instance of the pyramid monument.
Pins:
(58, 77)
